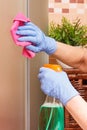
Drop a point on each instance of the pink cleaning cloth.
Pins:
(19, 20)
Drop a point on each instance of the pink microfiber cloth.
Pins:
(19, 20)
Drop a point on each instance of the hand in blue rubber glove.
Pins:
(30, 32)
(56, 84)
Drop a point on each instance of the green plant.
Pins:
(73, 33)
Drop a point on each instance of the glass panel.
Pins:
(38, 12)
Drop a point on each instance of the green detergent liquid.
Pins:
(51, 117)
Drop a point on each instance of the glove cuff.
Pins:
(51, 45)
(72, 92)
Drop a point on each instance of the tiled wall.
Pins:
(71, 9)
(68, 8)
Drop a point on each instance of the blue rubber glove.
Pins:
(56, 84)
(30, 32)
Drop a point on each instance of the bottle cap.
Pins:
(55, 67)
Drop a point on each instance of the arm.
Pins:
(77, 107)
(57, 84)
(74, 56)
(71, 55)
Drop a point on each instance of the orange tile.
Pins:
(73, 1)
(58, 1)
(51, 10)
(65, 10)
(80, 1)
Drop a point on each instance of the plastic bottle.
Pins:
(51, 116)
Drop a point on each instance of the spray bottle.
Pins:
(51, 116)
